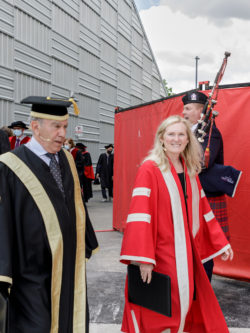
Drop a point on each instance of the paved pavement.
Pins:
(106, 277)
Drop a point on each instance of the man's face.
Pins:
(50, 133)
(18, 131)
(109, 150)
(192, 112)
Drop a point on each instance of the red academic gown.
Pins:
(88, 168)
(13, 141)
(159, 231)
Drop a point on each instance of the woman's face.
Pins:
(175, 139)
(66, 143)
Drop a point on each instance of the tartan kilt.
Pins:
(219, 208)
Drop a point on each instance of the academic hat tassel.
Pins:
(76, 109)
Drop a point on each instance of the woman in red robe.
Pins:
(172, 230)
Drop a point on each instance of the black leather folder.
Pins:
(155, 296)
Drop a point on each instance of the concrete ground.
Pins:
(106, 277)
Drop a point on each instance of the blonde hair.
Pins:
(192, 153)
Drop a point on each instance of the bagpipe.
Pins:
(219, 177)
(208, 114)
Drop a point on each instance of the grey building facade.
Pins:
(95, 50)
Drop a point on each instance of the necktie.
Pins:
(17, 143)
(55, 170)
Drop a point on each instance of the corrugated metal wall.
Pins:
(94, 49)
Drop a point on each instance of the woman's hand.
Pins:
(146, 272)
(228, 254)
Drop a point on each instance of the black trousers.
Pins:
(110, 192)
(209, 265)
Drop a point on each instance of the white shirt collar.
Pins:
(193, 128)
(20, 138)
(36, 147)
(38, 150)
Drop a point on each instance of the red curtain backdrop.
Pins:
(134, 135)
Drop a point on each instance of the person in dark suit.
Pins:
(4, 142)
(104, 171)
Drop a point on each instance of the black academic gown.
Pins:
(4, 142)
(25, 253)
(105, 169)
(87, 182)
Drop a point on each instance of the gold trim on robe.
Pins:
(6, 279)
(79, 313)
(52, 226)
(48, 116)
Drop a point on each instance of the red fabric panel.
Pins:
(134, 135)
(233, 122)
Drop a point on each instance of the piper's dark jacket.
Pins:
(25, 253)
(216, 157)
(218, 179)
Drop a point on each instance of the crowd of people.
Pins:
(13, 136)
(46, 233)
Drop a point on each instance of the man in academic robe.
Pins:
(18, 138)
(216, 179)
(104, 171)
(45, 232)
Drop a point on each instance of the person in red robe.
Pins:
(18, 138)
(89, 175)
(69, 145)
(172, 230)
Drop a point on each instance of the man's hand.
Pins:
(97, 175)
(146, 272)
(228, 254)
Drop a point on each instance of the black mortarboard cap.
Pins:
(194, 97)
(19, 124)
(49, 107)
(80, 145)
(108, 146)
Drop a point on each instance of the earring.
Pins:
(163, 148)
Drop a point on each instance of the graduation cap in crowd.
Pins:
(18, 124)
(50, 108)
(109, 146)
(194, 97)
(80, 145)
